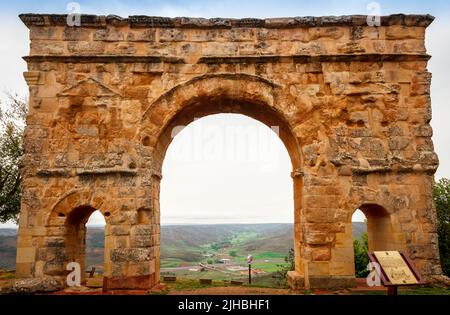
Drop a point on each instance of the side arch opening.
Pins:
(225, 195)
(79, 233)
(379, 228)
(85, 240)
(373, 230)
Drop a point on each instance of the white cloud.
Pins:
(96, 219)
(14, 46)
(227, 188)
(438, 45)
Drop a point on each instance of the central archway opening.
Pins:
(226, 193)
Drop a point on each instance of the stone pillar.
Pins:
(295, 279)
(320, 264)
(26, 250)
(31, 220)
(133, 258)
(155, 221)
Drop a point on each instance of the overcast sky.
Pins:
(253, 184)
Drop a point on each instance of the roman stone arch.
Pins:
(351, 102)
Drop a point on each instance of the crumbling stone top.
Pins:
(141, 21)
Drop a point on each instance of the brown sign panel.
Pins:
(396, 268)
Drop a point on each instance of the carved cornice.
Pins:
(54, 172)
(102, 59)
(298, 173)
(61, 172)
(315, 59)
(398, 168)
(229, 59)
(142, 21)
(107, 171)
(32, 77)
(158, 176)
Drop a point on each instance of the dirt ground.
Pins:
(191, 287)
(234, 291)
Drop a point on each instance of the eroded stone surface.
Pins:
(352, 103)
(35, 285)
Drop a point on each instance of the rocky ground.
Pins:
(192, 287)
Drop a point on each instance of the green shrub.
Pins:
(361, 259)
(442, 201)
(282, 271)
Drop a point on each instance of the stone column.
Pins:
(26, 247)
(321, 220)
(30, 221)
(296, 278)
(134, 243)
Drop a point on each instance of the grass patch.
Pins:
(410, 291)
(171, 263)
(424, 291)
(189, 285)
(278, 257)
(7, 276)
(243, 237)
(269, 256)
(266, 281)
(269, 267)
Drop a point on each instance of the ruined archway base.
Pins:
(131, 283)
(295, 281)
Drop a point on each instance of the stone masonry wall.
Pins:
(352, 101)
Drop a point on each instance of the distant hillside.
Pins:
(8, 243)
(8, 232)
(187, 243)
(359, 228)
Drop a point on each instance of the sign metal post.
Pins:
(249, 262)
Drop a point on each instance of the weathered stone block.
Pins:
(145, 240)
(85, 47)
(404, 32)
(142, 36)
(132, 254)
(321, 254)
(326, 32)
(26, 255)
(76, 34)
(55, 241)
(142, 230)
(319, 238)
(119, 230)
